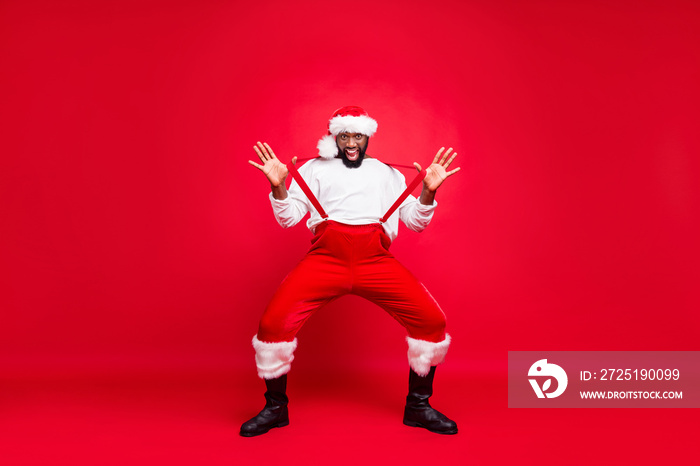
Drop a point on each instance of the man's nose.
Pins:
(352, 142)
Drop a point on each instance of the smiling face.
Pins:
(352, 148)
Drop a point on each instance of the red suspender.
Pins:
(305, 188)
(419, 177)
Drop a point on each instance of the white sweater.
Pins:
(355, 196)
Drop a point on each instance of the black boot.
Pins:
(418, 412)
(274, 414)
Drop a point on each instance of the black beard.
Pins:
(349, 163)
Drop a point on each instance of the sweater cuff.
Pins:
(426, 209)
(279, 203)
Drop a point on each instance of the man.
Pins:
(348, 194)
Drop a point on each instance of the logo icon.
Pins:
(542, 369)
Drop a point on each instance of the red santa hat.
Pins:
(345, 120)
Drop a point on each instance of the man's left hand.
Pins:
(437, 172)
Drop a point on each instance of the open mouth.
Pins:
(352, 154)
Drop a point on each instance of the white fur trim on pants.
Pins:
(273, 359)
(424, 354)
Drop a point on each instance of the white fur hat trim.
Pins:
(362, 124)
(353, 124)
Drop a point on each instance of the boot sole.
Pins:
(255, 434)
(418, 424)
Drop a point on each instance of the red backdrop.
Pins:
(135, 234)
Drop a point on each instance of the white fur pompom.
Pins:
(326, 147)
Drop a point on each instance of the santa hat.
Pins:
(345, 120)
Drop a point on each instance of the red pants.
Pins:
(351, 259)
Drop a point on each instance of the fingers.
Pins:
(449, 161)
(437, 156)
(294, 160)
(264, 151)
(256, 165)
(452, 172)
(269, 149)
(415, 164)
(261, 153)
(444, 157)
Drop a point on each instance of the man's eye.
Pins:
(358, 136)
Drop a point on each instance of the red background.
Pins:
(135, 238)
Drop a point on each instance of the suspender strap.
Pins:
(419, 177)
(399, 165)
(304, 159)
(305, 187)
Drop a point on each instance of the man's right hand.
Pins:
(275, 171)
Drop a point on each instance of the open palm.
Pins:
(275, 171)
(437, 172)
